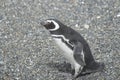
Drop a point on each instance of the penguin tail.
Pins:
(93, 67)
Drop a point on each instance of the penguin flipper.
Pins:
(78, 53)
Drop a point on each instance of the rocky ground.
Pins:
(27, 51)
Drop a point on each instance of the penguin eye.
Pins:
(49, 25)
(48, 22)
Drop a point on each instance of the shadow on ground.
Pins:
(65, 67)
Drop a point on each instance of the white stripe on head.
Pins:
(56, 25)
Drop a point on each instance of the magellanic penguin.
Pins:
(76, 49)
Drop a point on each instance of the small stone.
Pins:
(1, 17)
(98, 17)
(1, 63)
(83, 2)
(13, 15)
(86, 26)
(55, 8)
(76, 25)
(6, 37)
(118, 15)
(17, 78)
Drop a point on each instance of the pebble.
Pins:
(98, 17)
(1, 17)
(76, 25)
(86, 26)
(1, 63)
(118, 15)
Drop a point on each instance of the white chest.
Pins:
(62, 45)
(68, 53)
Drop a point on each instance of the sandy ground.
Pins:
(27, 51)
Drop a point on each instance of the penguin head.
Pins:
(50, 24)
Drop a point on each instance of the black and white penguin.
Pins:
(76, 49)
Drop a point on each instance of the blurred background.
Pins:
(27, 51)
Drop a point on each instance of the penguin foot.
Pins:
(77, 72)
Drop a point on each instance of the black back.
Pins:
(74, 36)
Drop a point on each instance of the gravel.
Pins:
(27, 51)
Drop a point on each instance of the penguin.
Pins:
(75, 47)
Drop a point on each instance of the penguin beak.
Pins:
(43, 23)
